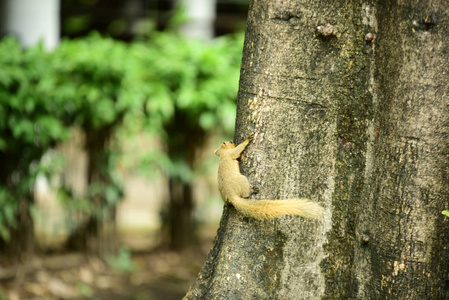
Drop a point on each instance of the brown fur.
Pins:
(235, 189)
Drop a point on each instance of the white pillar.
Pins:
(32, 20)
(201, 17)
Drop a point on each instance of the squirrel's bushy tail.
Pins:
(269, 209)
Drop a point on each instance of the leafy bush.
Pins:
(104, 86)
(193, 86)
(191, 75)
(30, 123)
(90, 74)
(122, 262)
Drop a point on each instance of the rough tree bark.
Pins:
(357, 123)
(406, 183)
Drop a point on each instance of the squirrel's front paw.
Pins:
(254, 190)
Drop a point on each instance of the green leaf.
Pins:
(3, 144)
(112, 195)
(4, 232)
(22, 128)
(208, 120)
(52, 127)
(445, 212)
(122, 262)
(84, 289)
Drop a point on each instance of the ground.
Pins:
(158, 274)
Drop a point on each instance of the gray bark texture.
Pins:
(349, 103)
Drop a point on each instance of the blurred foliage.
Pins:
(110, 89)
(122, 262)
(31, 122)
(85, 290)
(28, 117)
(91, 74)
(76, 24)
(192, 84)
(189, 74)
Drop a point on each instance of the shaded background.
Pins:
(107, 182)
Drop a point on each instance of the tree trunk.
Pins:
(181, 222)
(356, 123)
(101, 230)
(20, 247)
(185, 138)
(16, 179)
(200, 15)
(407, 175)
(97, 236)
(31, 22)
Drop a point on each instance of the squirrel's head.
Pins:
(223, 147)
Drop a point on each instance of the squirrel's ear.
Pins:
(216, 152)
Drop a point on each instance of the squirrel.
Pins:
(235, 189)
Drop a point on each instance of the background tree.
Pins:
(92, 76)
(171, 85)
(30, 125)
(356, 123)
(196, 87)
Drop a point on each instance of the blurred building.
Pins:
(126, 19)
(31, 21)
(48, 20)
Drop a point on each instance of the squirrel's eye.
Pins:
(231, 142)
